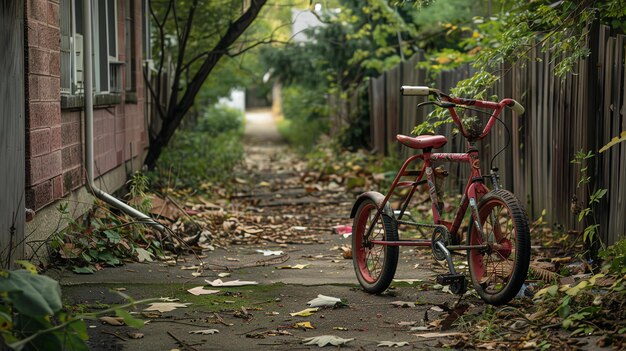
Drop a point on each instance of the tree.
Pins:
(194, 35)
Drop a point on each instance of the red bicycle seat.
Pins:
(423, 141)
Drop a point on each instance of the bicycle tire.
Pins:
(511, 256)
(373, 272)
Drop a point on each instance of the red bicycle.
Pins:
(498, 238)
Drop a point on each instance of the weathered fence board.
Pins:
(583, 111)
(12, 131)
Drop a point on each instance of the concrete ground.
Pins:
(257, 317)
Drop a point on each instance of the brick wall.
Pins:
(54, 137)
(44, 180)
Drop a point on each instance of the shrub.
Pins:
(306, 116)
(207, 153)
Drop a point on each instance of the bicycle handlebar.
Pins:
(451, 102)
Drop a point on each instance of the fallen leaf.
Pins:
(393, 343)
(296, 266)
(418, 329)
(408, 281)
(204, 331)
(436, 335)
(324, 301)
(219, 282)
(144, 255)
(168, 299)
(340, 328)
(200, 290)
(165, 306)
(304, 325)
(135, 335)
(436, 309)
(270, 252)
(305, 313)
(406, 304)
(112, 320)
(264, 184)
(251, 230)
(223, 275)
(407, 323)
(324, 340)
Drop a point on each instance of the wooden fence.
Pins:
(581, 112)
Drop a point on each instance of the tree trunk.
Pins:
(178, 108)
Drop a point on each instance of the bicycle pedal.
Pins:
(449, 278)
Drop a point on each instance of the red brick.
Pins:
(49, 37)
(33, 170)
(70, 117)
(51, 164)
(32, 35)
(37, 9)
(39, 61)
(33, 88)
(44, 114)
(38, 142)
(54, 89)
(71, 156)
(55, 64)
(70, 133)
(39, 195)
(55, 138)
(73, 178)
(53, 14)
(57, 187)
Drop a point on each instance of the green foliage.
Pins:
(589, 236)
(583, 307)
(206, 153)
(305, 117)
(100, 238)
(31, 317)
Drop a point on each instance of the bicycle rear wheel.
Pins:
(374, 265)
(499, 271)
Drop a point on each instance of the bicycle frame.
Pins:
(474, 189)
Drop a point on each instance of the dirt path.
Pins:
(280, 206)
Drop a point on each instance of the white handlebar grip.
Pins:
(408, 90)
(517, 108)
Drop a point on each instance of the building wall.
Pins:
(54, 133)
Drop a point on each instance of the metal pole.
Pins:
(89, 159)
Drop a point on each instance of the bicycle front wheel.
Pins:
(375, 265)
(499, 271)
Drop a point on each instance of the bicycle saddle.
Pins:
(423, 141)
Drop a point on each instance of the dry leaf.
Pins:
(223, 275)
(304, 325)
(324, 340)
(219, 282)
(436, 335)
(200, 290)
(305, 313)
(204, 331)
(112, 320)
(393, 343)
(324, 301)
(270, 252)
(403, 304)
(165, 306)
(135, 335)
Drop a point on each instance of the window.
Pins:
(107, 70)
(129, 32)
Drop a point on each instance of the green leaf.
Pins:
(129, 319)
(32, 295)
(614, 141)
(27, 266)
(84, 270)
